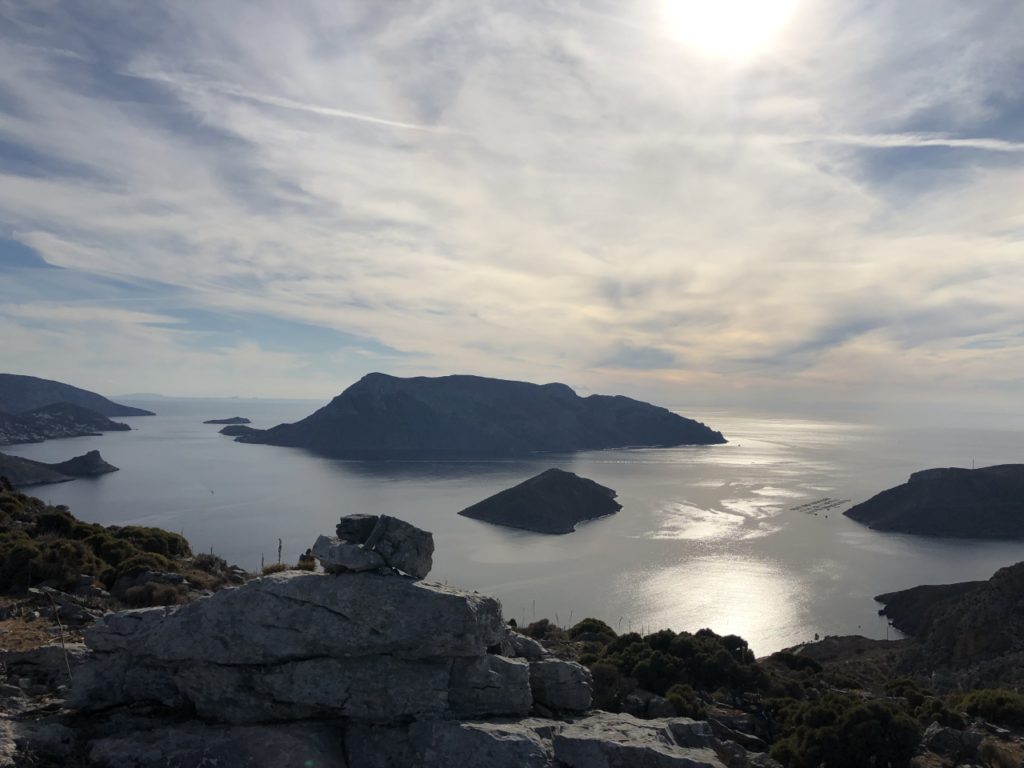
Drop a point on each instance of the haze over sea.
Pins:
(724, 537)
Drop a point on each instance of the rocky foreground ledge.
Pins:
(365, 666)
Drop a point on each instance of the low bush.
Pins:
(1001, 706)
(153, 593)
(275, 568)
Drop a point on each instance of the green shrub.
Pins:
(155, 540)
(145, 561)
(998, 705)
(609, 687)
(152, 593)
(591, 627)
(210, 563)
(685, 702)
(796, 662)
(842, 731)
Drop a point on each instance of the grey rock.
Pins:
(744, 739)
(337, 556)
(687, 732)
(515, 744)
(356, 529)
(372, 745)
(604, 740)
(489, 685)
(403, 546)
(949, 742)
(306, 615)
(517, 646)
(563, 686)
(197, 744)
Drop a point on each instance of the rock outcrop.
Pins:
(23, 472)
(554, 501)
(20, 394)
(962, 503)
(358, 669)
(384, 417)
(231, 420)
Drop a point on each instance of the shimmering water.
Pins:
(708, 537)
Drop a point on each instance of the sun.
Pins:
(728, 29)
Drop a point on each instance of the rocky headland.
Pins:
(230, 420)
(236, 430)
(961, 503)
(384, 417)
(555, 501)
(23, 472)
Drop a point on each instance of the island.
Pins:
(987, 502)
(385, 417)
(554, 501)
(21, 472)
(232, 420)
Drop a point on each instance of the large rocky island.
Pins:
(962, 503)
(19, 394)
(554, 501)
(384, 417)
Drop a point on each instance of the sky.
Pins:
(781, 204)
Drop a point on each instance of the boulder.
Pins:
(403, 546)
(517, 646)
(299, 615)
(366, 542)
(48, 665)
(562, 686)
(356, 529)
(337, 556)
(951, 743)
(295, 646)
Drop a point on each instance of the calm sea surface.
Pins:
(715, 537)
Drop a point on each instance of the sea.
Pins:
(746, 538)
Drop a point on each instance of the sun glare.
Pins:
(730, 29)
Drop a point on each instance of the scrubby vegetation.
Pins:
(1000, 706)
(47, 544)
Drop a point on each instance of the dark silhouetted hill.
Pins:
(20, 394)
(962, 503)
(383, 416)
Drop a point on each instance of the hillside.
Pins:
(964, 503)
(382, 417)
(23, 472)
(19, 394)
(54, 421)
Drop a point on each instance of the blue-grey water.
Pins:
(707, 537)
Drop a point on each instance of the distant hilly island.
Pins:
(33, 410)
(385, 417)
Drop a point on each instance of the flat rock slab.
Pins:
(604, 740)
(295, 615)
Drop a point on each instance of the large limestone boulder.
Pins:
(298, 615)
(337, 556)
(294, 646)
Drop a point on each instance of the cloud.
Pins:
(540, 192)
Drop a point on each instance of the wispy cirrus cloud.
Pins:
(545, 192)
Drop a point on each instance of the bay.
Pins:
(745, 538)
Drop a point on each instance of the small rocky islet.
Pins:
(229, 420)
(555, 501)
